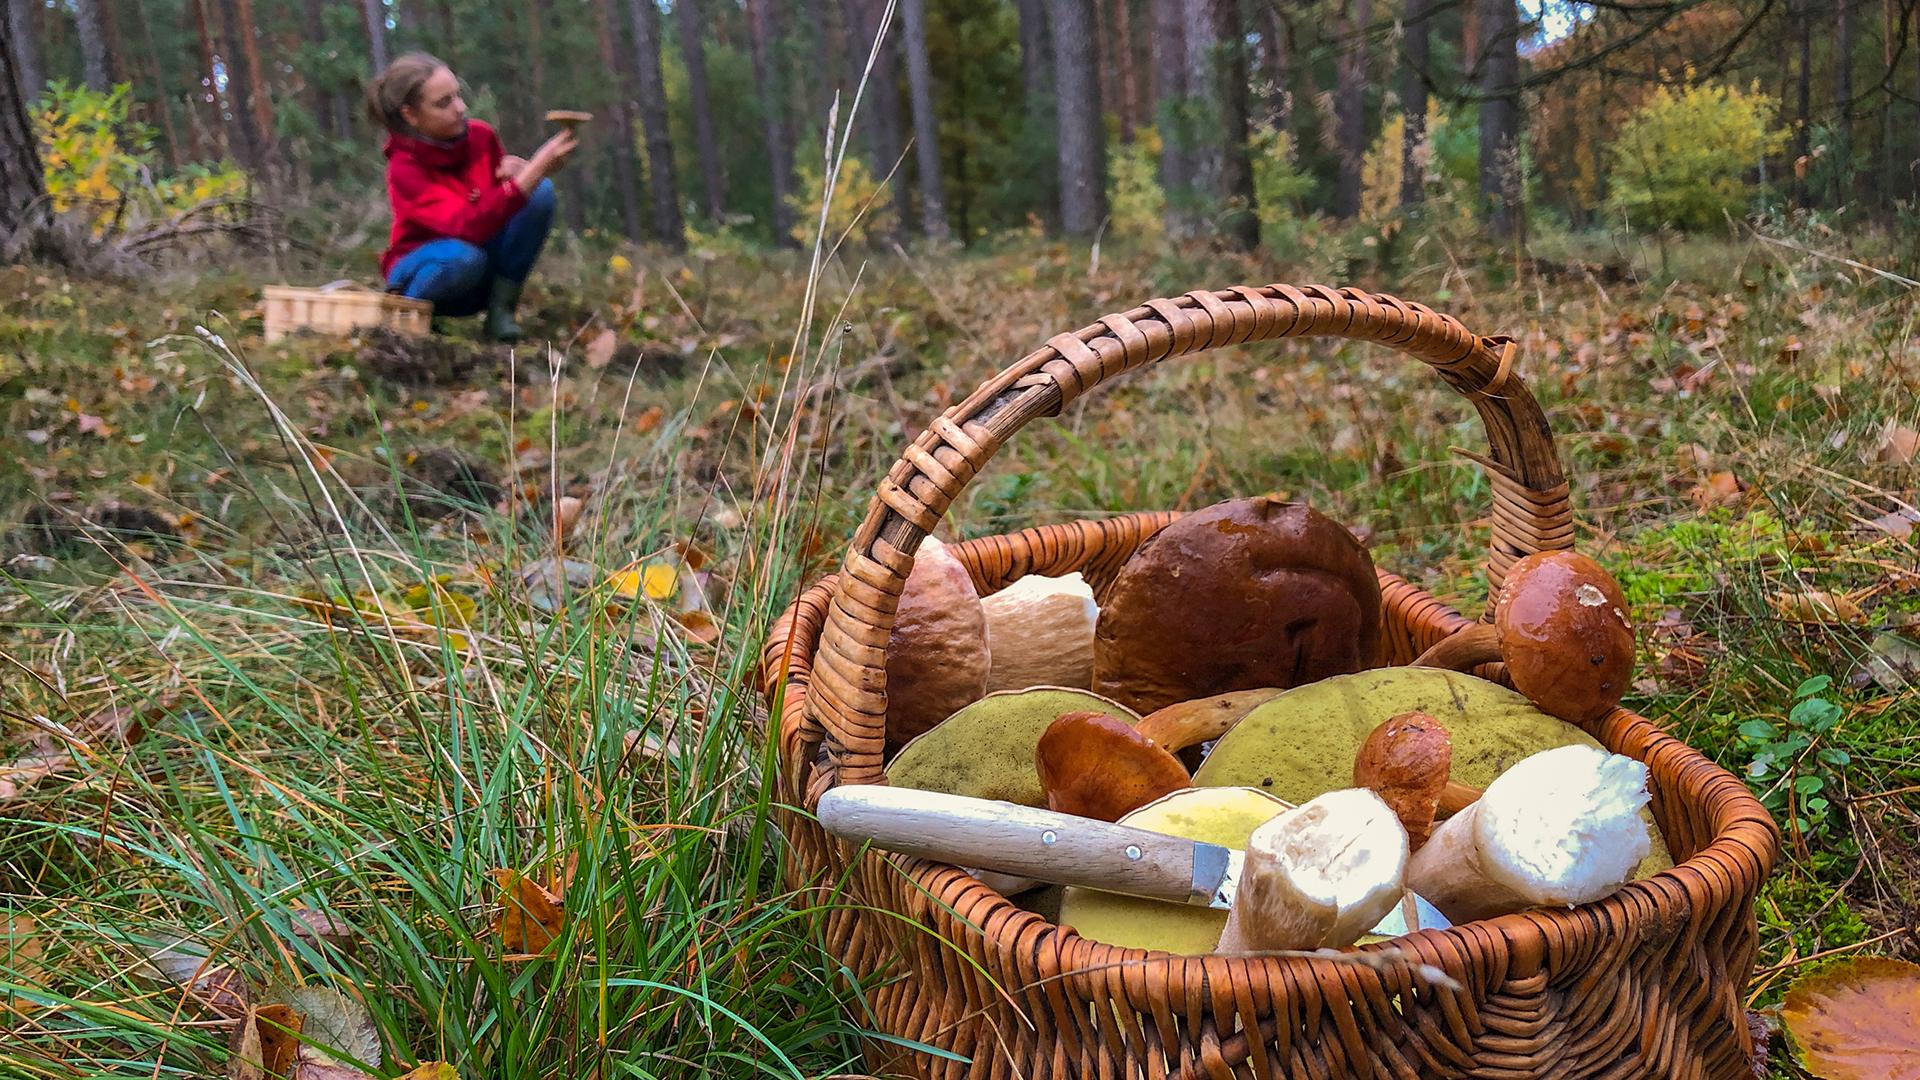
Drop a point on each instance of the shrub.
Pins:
(1137, 203)
(1682, 159)
(100, 162)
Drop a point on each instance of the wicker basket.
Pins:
(341, 307)
(1645, 983)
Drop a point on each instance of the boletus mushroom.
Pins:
(1040, 632)
(1097, 766)
(1407, 761)
(937, 658)
(1187, 724)
(1560, 624)
(567, 118)
(1244, 594)
(988, 749)
(1318, 876)
(1562, 827)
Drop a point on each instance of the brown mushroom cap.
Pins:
(567, 116)
(1406, 761)
(1564, 634)
(937, 659)
(1244, 594)
(1096, 766)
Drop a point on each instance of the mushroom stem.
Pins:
(1560, 827)
(1318, 876)
(1456, 797)
(1463, 650)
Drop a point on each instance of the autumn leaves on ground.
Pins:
(401, 691)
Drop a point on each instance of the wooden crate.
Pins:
(341, 307)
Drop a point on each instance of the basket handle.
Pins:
(847, 697)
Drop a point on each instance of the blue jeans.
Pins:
(458, 277)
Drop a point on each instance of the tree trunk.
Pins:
(1276, 55)
(26, 48)
(1500, 118)
(1413, 103)
(1123, 62)
(1803, 110)
(1201, 132)
(176, 152)
(209, 130)
(1036, 96)
(926, 127)
(882, 95)
(1350, 105)
(1083, 156)
(1239, 224)
(320, 96)
(1170, 93)
(21, 182)
(255, 75)
(667, 226)
(89, 22)
(693, 52)
(375, 15)
(1843, 101)
(621, 138)
(763, 32)
(244, 118)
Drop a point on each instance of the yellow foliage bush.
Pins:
(99, 162)
(861, 210)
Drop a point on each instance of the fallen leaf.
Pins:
(600, 349)
(432, 1070)
(1898, 524)
(699, 626)
(30, 770)
(648, 419)
(265, 1044)
(530, 916)
(1898, 445)
(1892, 662)
(1857, 1020)
(321, 928)
(566, 514)
(312, 1065)
(1818, 606)
(334, 1027)
(20, 956)
(656, 580)
(1720, 489)
(212, 985)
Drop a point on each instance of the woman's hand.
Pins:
(547, 160)
(510, 167)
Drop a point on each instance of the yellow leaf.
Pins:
(530, 916)
(657, 580)
(432, 1070)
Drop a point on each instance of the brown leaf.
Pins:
(566, 514)
(1720, 489)
(1898, 524)
(1858, 1020)
(321, 928)
(20, 956)
(699, 626)
(600, 349)
(1817, 606)
(1898, 445)
(212, 985)
(530, 916)
(265, 1044)
(648, 419)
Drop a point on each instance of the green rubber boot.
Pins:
(500, 325)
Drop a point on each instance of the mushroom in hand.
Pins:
(1318, 876)
(1561, 827)
(1097, 766)
(1560, 624)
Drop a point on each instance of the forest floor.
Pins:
(298, 676)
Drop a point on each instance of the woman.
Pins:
(468, 218)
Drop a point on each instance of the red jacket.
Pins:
(446, 190)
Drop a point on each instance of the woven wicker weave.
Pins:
(1645, 983)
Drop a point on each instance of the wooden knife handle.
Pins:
(992, 835)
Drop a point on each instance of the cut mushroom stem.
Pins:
(1097, 766)
(1561, 827)
(1318, 876)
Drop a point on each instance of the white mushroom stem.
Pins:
(1561, 827)
(1318, 876)
(1040, 633)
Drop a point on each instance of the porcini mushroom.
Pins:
(1562, 827)
(567, 118)
(1190, 723)
(987, 749)
(937, 658)
(1040, 632)
(1406, 761)
(1560, 624)
(1318, 876)
(1244, 594)
(1097, 766)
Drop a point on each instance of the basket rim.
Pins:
(1745, 839)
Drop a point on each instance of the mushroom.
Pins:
(567, 118)
(1097, 766)
(1560, 624)
(1040, 632)
(1189, 723)
(1244, 594)
(1406, 761)
(1318, 876)
(1562, 827)
(937, 658)
(987, 749)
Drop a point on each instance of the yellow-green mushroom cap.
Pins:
(986, 750)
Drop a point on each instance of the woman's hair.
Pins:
(399, 86)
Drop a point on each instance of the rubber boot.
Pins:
(500, 304)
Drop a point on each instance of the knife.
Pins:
(989, 834)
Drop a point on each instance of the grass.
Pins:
(355, 707)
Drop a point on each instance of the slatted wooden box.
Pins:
(341, 307)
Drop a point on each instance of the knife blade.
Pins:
(990, 834)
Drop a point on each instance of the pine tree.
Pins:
(22, 186)
(667, 226)
(1083, 154)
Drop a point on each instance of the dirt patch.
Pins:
(441, 481)
(432, 360)
(49, 529)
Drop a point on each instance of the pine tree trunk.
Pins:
(21, 183)
(882, 96)
(375, 15)
(1170, 94)
(1803, 108)
(176, 151)
(621, 137)
(667, 226)
(1036, 97)
(209, 131)
(1500, 118)
(26, 48)
(245, 119)
(1276, 56)
(1201, 134)
(1123, 62)
(1413, 102)
(89, 24)
(1083, 156)
(255, 74)
(320, 95)
(693, 52)
(1350, 105)
(763, 32)
(926, 127)
(1843, 101)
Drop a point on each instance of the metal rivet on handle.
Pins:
(1048, 837)
(1133, 852)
